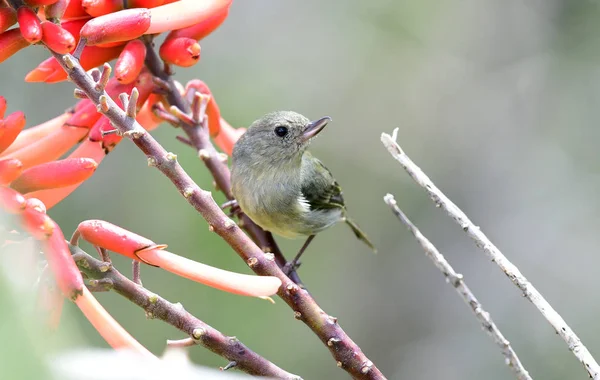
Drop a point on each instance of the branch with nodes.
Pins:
(198, 137)
(481, 240)
(347, 354)
(106, 277)
(456, 280)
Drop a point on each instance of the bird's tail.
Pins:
(359, 234)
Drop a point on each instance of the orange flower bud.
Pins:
(98, 8)
(57, 38)
(183, 51)
(130, 62)
(10, 129)
(124, 25)
(67, 275)
(10, 169)
(29, 25)
(205, 27)
(114, 238)
(12, 201)
(11, 42)
(181, 14)
(212, 109)
(55, 174)
(37, 224)
(8, 17)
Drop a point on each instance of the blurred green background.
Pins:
(495, 100)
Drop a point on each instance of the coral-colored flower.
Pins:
(57, 38)
(11, 42)
(10, 127)
(130, 62)
(29, 25)
(119, 26)
(55, 174)
(205, 26)
(212, 109)
(181, 51)
(101, 7)
(38, 132)
(10, 169)
(184, 13)
(8, 17)
(228, 136)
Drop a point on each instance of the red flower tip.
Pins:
(74, 10)
(12, 201)
(8, 17)
(10, 169)
(57, 38)
(2, 106)
(182, 51)
(145, 3)
(38, 224)
(11, 42)
(124, 25)
(130, 62)
(55, 174)
(29, 25)
(10, 129)
(206, 26)
(181, 14)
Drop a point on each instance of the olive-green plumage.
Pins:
(280, 185)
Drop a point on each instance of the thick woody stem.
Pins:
(157, 307)
(456, 280)
(481, 240)
(347, 354)
(199, 139)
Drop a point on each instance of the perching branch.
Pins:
(529, 291)
(347, 354)
(456, 280)
(198, 137)
(174, 314)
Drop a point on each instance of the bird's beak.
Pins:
(314, 127)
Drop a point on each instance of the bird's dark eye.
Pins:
(281, 131)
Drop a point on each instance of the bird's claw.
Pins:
(233, 206)
(291, 267)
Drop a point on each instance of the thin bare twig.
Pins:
(174, 314)
(457, 281)
(529, 291)
(347, 354)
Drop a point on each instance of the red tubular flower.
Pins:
(131, 62)
(146, 116)
(206, 26)
(12, 201)
(10, 129)
(33, 134)
(212, 109)
(182, 51)
(89, 150)
(67, 275)
(49, 148)
(11, 42)
(145, 3)
(114, 334)
(37, 223)
(236, 283)
(29, 25)
(74, 27)
(10, 169)
(98, 8)
(55, 174)
(118, 26)
(8, 17)
(85, 116)
(228, 136)
(184, 13)
(108, 141)
(57, 38)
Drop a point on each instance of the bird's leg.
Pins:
(233, 206)
(291, 266)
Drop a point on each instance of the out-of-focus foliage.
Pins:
(495, 100)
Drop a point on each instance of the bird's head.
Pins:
(279, 136)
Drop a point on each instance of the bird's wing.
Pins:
(319, 189)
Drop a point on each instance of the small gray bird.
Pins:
(281, 186)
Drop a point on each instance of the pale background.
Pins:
(495, 99)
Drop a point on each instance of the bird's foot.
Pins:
(291, 267)
(233, 206)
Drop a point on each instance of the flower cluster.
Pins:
(35, 175)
